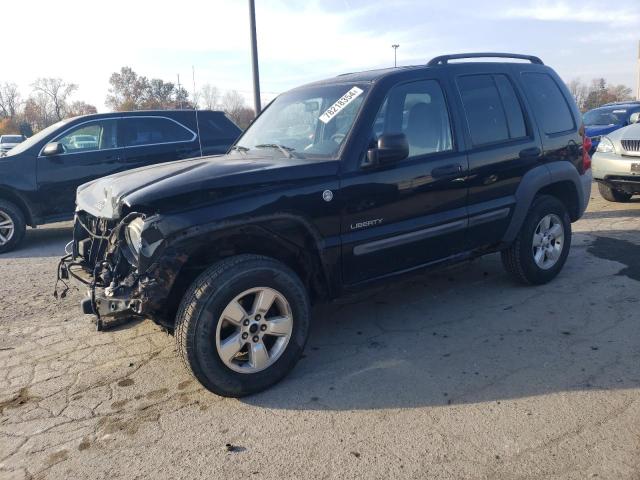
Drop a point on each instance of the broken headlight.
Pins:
(143, 239)
(133, 234)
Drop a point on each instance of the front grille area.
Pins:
(631, 145)
(91, 238)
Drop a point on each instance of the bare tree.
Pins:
(38, 111)
(58, 91)
(9, 100)
(210, 97)
(579, 91)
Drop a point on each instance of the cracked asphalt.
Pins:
(455, 374)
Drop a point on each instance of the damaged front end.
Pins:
(116, 260)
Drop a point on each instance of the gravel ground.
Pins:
(458, 374)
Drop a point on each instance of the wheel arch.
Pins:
(559, 179)
(15, 198)
(283, 238)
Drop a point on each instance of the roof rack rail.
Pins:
(444, 59)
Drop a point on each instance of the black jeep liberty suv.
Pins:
(335, 185)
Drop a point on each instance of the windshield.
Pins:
(29, 142)
(10, 139)
(306, 123)
(613, 116)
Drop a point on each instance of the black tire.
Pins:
(19, 226)
(613, 195)
(518, 259)
(200, 310)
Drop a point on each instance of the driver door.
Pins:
(406, 214)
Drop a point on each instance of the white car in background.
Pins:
(616, 163)
(7, 142)
(84, 142)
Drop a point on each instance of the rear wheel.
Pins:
(541, 248)
(613, 195)
(12, 226)
(242, 325)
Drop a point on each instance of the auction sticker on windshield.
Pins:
(342, 102)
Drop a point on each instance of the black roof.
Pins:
(135, 113)
(439, 61)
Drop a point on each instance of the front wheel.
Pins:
(12, 226)
(242, 325)
(541, 248)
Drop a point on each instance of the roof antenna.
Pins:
(195, 106)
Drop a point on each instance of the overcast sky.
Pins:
(84, 41)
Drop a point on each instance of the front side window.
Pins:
(309, 123)
(100, 135)
(138, 131)
(418, 110)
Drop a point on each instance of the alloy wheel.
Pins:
(7, 228)
(254, 329)
(548, 241)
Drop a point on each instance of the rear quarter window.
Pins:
(549, 104)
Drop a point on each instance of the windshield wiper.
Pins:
(286, 151)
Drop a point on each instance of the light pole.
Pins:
(395, 49)
(254, 58)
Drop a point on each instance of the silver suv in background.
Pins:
(616, 163)
(7, 142)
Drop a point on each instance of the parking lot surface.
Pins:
(454, 374)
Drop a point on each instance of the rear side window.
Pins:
(217, 127)
(150, 130)
(548, 103)
(492, 108)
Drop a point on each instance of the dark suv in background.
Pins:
(39, 177)
(337, 184)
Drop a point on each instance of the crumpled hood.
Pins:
(185, 181)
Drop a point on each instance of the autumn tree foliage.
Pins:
(597, 93)
(130, 91)
(48, 102)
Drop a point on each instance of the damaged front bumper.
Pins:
(118, 262)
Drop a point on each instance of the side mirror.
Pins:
(391, 147)
(635, 118)
(53, 148)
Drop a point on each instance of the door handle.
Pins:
(446, 171)
(533, 152)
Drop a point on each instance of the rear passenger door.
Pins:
(502, 147)
(151, 139)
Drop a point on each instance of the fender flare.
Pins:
(177, 239)
(538, 178)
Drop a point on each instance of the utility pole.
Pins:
(395, 58)
(254, 58)
(179, 96)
